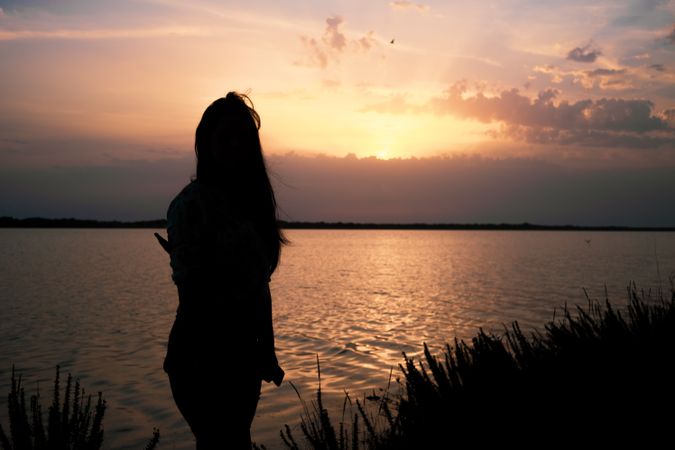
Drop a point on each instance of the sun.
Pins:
(384, 153)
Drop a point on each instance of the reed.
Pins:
(72, 424)
(594, 374)
(319, 431)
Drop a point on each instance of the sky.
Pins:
(556, 112)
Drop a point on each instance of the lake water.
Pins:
(101, 302)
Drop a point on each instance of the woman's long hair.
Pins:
(229, 157)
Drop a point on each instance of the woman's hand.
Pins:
(270, 371)
(163, 242)
(275, 374)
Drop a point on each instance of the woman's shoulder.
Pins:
(206, 205)
(183, 209)
(190, 194)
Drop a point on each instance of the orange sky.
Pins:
(326, 78)
(100, 101)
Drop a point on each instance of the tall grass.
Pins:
(362, 424)
(593, 375)
(73, 424)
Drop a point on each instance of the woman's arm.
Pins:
(179, 234)
(270, 368)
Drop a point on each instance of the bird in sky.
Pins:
(392, 41)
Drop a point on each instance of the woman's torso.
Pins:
(221, 271)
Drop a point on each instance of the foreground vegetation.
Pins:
(74, 424)
(595, 375)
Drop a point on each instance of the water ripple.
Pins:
(100, 303)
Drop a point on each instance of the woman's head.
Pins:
(229, 156)
(227, 140)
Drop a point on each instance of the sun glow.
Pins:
(337, 125)
(383, 154)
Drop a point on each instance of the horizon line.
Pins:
(70, 222)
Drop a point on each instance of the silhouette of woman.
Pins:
(224, 243)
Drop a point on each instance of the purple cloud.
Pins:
(333, 43)
(605, 122)
(671, 36)
(333, 37)
(512, 107)
(583, 54)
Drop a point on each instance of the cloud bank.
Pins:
(605, 122)
(322, 188)
(601, 78)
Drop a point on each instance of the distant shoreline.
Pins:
(39, 222)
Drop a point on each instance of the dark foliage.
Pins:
(599, 376)
(74, 424)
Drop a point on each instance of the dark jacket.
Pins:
(221, 271)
